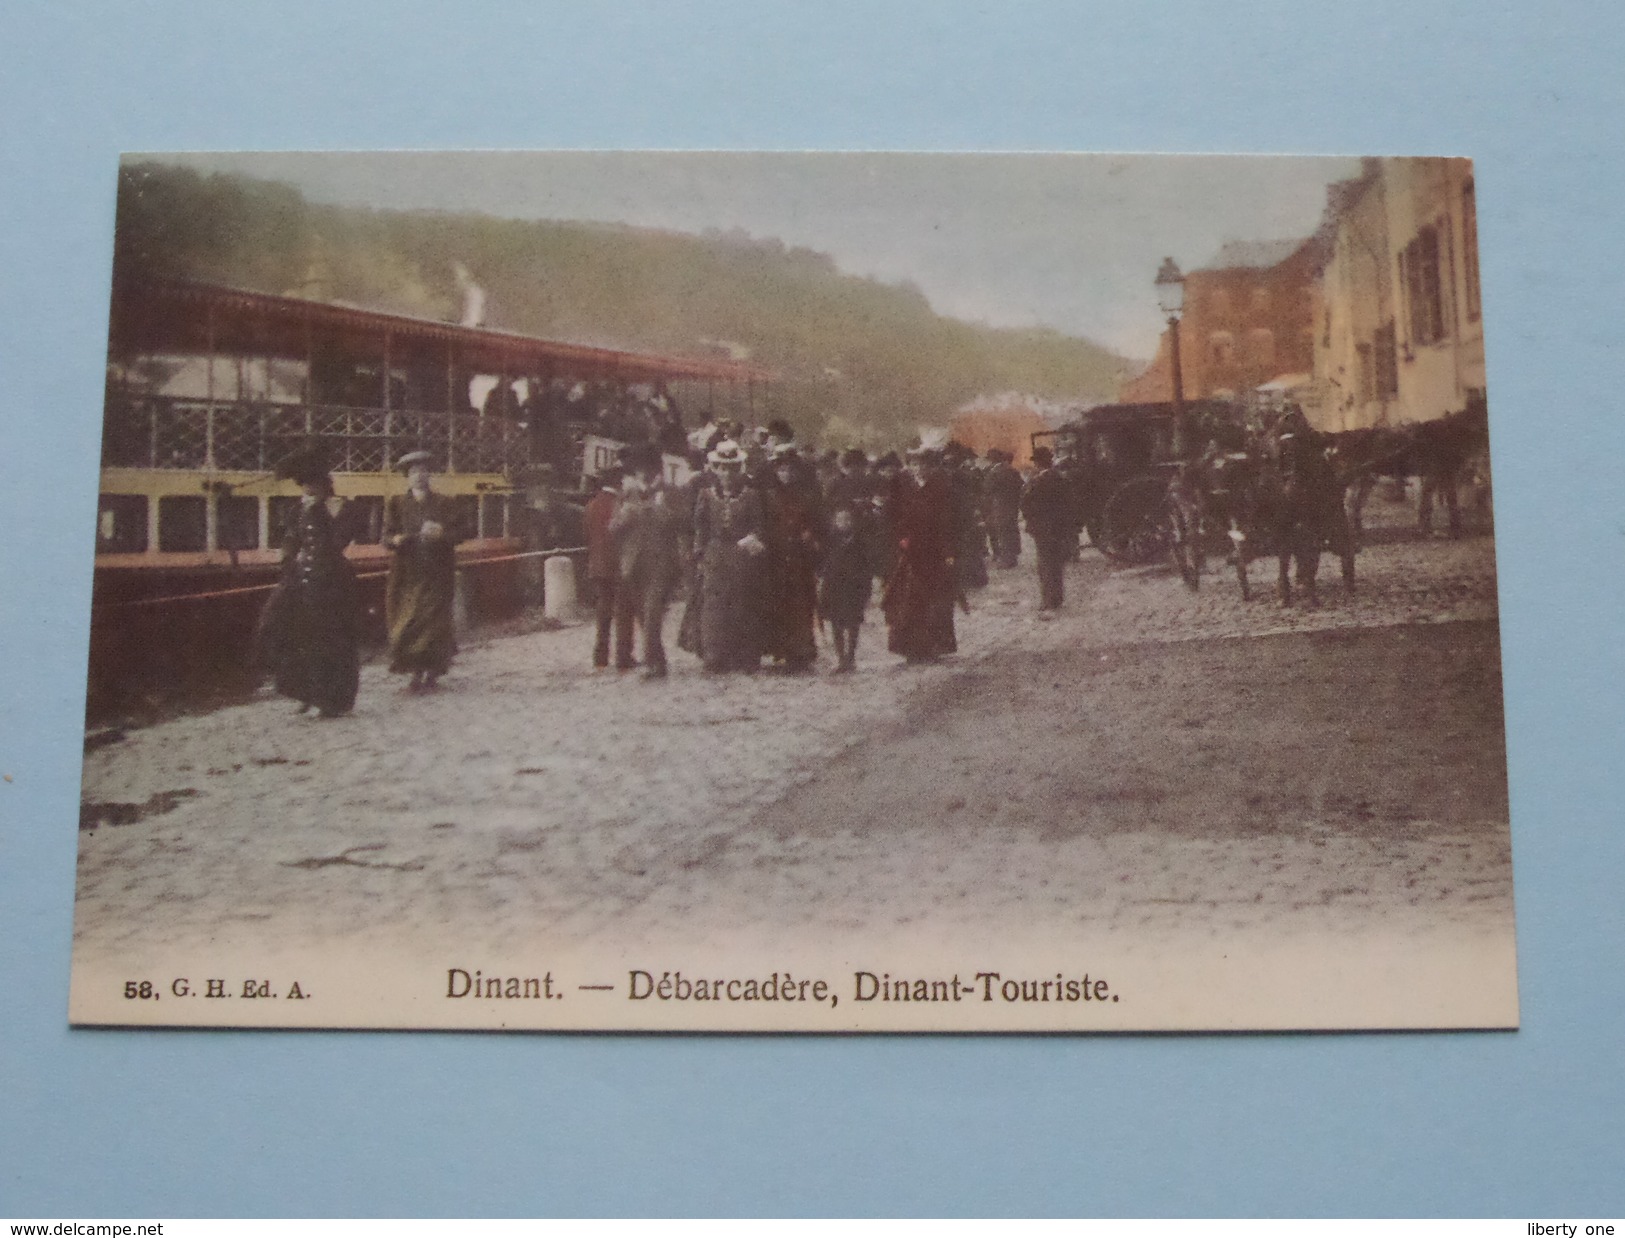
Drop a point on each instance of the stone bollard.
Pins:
(532, 585)
(559, 588)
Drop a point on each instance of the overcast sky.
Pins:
(1065, 241)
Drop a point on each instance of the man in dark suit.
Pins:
(648, 528)
(604, 569)
(1046, 507)
(920, 594)
(1002, 488)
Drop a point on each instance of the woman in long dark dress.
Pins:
(795, 522)
(730, 540)
(920, 594)
(309, 634)
(419, 594)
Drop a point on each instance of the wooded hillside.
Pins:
(859, 360)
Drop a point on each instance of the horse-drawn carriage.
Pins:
(1122, 461)
(1223, 487)
(1276, 492)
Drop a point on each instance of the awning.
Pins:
(184, 316)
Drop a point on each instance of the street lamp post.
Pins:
(1170, 286)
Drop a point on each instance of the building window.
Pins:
(1221, 348)
(1386, 362)
(1379, 366)
(1447, 281)
(1261, 346)
(121, 524)
(183, 523)
(1469, 251)
(1404, 287)
(1420, 271)
(1261, 299)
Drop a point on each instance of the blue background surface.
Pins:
(172, 1124)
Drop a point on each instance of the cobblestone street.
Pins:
(1151, 762)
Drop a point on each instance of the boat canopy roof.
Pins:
(180, 316)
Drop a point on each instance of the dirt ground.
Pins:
(1153, 761)
(1336, 779)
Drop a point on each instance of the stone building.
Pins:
(1248, 321)
(1399, 330)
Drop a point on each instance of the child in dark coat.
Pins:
(845, 579)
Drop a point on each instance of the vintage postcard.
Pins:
(799, 592)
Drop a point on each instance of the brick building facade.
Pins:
(1249, 319)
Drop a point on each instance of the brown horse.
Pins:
(1293, 507)
(1440, 453)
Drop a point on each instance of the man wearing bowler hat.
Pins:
(604, 570)
(1045, 507)
(647, 529)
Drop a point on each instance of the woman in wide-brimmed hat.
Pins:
(309, 634)
(419, 527)
(730, 540)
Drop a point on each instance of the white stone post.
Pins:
(559, 588)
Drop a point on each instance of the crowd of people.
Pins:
(762, 543)
(767, 542)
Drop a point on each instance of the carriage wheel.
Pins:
(1133, 530)
(1185, 543)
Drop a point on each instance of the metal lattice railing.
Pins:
(192, 434)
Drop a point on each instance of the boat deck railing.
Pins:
(163, 432)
